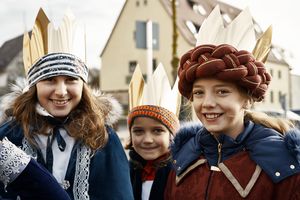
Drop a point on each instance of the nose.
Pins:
(148, 138)
(61, 88)
(209, 101)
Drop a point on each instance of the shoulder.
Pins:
(113, 145)
(12, 130)
(113, 138)
(186, 146)
(292, 141)
(186, 133)
(278, 155)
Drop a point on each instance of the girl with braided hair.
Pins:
(235, 154)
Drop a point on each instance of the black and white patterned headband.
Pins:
(57, 64)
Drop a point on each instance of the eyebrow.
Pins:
(219, 85)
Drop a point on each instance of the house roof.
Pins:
(10, 50)
(190, 11)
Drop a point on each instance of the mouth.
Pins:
(60, 102)
(211, 116)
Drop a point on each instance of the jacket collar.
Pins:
(277, 155)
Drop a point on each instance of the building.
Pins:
(11, 63)
(126, 46)
(295, 93)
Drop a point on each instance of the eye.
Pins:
(137, 131)
(158, 131)
(50, 79)
(198, 92)
(72, 79)
(223, 92)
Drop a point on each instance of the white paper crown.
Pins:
(240, 33)
(69, 37)
(157, 91)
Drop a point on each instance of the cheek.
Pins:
(164, 141)
(42, 93)
(196, 106)
(135, 140)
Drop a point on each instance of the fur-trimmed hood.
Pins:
(111, 107)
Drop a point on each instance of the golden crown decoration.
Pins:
(240, 33)
(45, 38)
(157, 91)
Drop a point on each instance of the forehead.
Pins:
(212, 82)
(146, 121)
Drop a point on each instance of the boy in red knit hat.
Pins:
(152, 123)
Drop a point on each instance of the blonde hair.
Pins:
(86, 121)
(279, 124)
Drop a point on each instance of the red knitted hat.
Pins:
(226, 63)
(164, 116)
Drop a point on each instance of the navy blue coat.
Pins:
(109, 177)
(136, 164)
(36, 183)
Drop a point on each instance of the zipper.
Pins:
(219, 150)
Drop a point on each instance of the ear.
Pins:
(247, 104)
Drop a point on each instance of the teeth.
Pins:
(60, 102)
(212, 116)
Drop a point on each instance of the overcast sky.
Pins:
(99, 17)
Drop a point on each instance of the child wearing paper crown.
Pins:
(23, 176)
(236, 154)
(60, 122)
(152, 128)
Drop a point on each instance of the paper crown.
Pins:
(224, 53)
(240, 33)
(156, 99)
(65, 44)
(157, 91)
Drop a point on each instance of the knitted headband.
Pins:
(226, 63)
(164, 116)
(56, 64)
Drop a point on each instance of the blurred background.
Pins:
(117, 34)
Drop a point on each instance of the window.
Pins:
(226, 18)
(132, 65)
(271, 72)
(271, 97)
(141, 35)
(279, 74)
(279, 96)
(200, 9)
(154, 64)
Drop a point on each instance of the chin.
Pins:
(147, 157)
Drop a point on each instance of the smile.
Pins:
(212, 115)
(60, 102)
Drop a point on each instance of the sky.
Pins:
(99, 17)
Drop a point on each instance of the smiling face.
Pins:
(150, 138)
(220, 106)
(59, 95)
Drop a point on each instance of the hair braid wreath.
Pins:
(226, 63)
